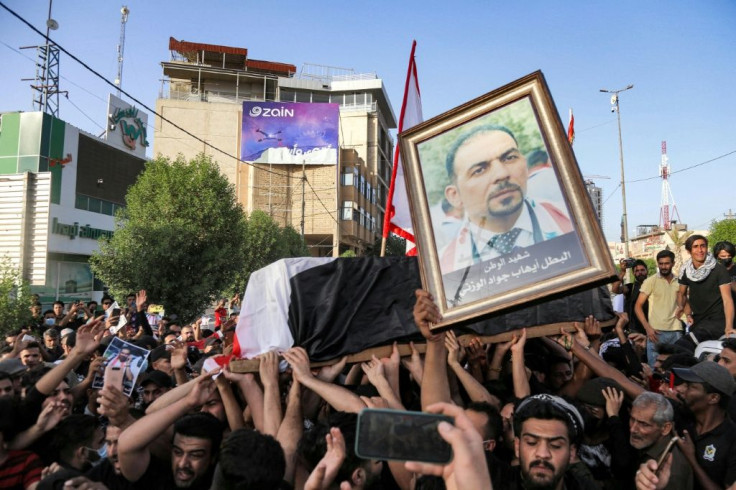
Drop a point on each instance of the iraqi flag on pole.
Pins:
(398, 217)
(571, 128)
(338, 306)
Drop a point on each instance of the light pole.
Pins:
(615, 107)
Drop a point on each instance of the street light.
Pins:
(615, 107)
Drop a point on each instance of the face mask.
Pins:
(50, 322)
(726, 262)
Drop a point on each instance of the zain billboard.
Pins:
(281, 133)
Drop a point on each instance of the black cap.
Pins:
(592, 391)
(709, 372)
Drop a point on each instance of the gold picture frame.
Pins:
(500, 211)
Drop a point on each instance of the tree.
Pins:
(724, 230)
(264, 242)
(15, 298)
(179, 236)
(395, 245)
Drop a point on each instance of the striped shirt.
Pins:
(20, 470)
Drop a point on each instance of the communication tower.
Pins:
(668, 209)
(124, 11)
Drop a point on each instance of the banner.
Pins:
(287, 133)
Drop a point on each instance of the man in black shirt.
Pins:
(706, 286)
(710, 447)
(631, 292)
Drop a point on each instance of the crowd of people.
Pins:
(646, 403)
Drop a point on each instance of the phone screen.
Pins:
(402, 436)
(116, 312)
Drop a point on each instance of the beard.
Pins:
(508, 205)
(541, 482)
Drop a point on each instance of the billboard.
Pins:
(126, 127)
(290, 133)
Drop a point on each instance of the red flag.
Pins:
(571, 128)
(398, 217)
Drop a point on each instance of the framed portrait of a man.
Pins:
(501, 214)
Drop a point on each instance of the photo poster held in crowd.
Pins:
(293, 133)
(506, 219)
(123, 360)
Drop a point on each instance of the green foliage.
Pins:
(395, 245)
(348, 254)
(265, 242)
(518, 117)
(651, 266)
(724, 230)
(178, 236)
(15, 298)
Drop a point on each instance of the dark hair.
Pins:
(670, 349)
(679, 360)
(494, 426)
(10, 418)
(729, 343)
(72, 433)
(48, 312)
(666, 254)
(201, 425)
(58, 302)
(692, 239)
(249, 460)
(312, 445)
(31, 345)
(544, 409)
(724, 245)
(485, 128)
(639, 262)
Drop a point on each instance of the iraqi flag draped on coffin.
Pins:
(338, 306)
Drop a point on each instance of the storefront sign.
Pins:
(75, 230)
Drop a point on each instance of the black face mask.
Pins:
(726, 262)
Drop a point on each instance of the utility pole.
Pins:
(124, 11)
(616, 108)
(304, 201)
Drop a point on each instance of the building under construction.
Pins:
(338, 205)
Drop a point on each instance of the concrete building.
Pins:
(339, 206)
(59, 190)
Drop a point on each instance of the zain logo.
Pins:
(132, 131)
(257, 111)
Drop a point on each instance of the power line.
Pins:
(101, 77)
(686, 168)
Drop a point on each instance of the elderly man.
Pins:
(651, 428)
(488, 180)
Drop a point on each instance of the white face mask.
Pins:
(50, 322)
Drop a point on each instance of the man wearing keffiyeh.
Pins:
(705, 288)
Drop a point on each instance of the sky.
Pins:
(679, 55)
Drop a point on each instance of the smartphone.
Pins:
(114, 377)
(401, 436)
(666, 451)
(116, 312)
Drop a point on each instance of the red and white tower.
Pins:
(666, 215)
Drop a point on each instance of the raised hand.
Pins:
(179, 355)
(298, 358)
(269, 368)
(330, 373)
(426, 313)
(113, 404)
(414, 364)
(614, 400)
(326, 470)
(374, 370)
(50, 416)
(454, 351)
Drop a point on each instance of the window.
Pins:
(287, 95)
(336, 99)
(94, 205)
(368, 191)
(87, 203)
(347, 210)
(362, 185)
(303, 97)
(320, 97)
(106, 208)
(81, 202)
(346, 179)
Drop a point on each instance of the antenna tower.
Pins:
(46, 82)
(124, 11)
(666, 218)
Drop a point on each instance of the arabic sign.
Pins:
(290, 133)
(518, 269)
(126, 126)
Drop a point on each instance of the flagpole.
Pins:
(394, 170)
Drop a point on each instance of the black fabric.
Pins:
(351, 304)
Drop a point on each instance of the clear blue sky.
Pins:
(680, 56)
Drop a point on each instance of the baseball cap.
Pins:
(12, 366)
(709, 372)
(159, 378)
(212, 340)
